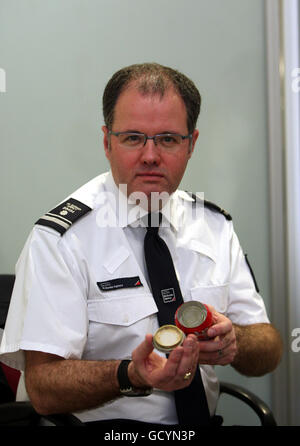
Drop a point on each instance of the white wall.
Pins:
(58, 56)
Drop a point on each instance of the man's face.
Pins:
(150, 168)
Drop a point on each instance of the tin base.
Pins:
(194, 317)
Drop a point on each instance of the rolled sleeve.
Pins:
(48, 310)
(246, 305)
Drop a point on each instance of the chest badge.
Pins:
(122, 282)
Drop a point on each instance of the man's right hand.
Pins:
(58, 385)
(148, 369)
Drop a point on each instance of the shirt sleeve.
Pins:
(48, 310)
(245, 305)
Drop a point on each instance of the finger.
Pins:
(222, 327)
(183, 358)
(218, 343)
(190, 346)
(172, 364)
(215, 314)
(210, 346)
(189, 359)
(218, 354)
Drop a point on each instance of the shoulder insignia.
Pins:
(215, 207)
(212, 206)
(64, 215)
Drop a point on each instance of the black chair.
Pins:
(8, 377)
(6, 286)
(261, 409)
(22, 413)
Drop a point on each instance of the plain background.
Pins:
(58, 56)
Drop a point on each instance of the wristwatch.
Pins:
(126, 388)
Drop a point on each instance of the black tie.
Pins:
(191, 403)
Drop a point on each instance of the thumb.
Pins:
(143, 350)
(136, 369)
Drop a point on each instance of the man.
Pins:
(82, 300)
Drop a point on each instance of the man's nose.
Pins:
(150, 153)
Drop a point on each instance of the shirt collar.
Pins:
(129, 213)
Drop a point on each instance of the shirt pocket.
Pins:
(215, 295)
(118, 325)
(123, 311)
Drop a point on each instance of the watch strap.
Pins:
(124, 382)
(126, 387)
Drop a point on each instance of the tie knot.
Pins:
(151, 230)
(154, 220)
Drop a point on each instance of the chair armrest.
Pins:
(259, 406)
(22, 413)
(63, 419)
(18, 414)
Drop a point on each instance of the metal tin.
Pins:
(194, 317)
(168, 337)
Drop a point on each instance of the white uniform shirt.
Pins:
(61, 304)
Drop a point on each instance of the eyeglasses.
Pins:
(165, 141)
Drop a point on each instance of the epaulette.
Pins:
(215, 207)
(212, 206)
(64, 215)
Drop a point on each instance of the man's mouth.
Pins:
(150, 175)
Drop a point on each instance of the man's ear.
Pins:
(193, 141)
(106, 142)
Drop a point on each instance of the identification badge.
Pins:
(122, 282)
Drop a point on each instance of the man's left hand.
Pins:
(221, 348)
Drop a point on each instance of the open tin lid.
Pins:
(168, 337)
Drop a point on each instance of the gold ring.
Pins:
(187, 376)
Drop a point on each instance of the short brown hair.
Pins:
(152, 78)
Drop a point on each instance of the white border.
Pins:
(282, 49)
(290, 21)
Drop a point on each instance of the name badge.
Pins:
(122, 282)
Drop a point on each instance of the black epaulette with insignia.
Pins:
(212, 206)
(64, 215)
(215, 207)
